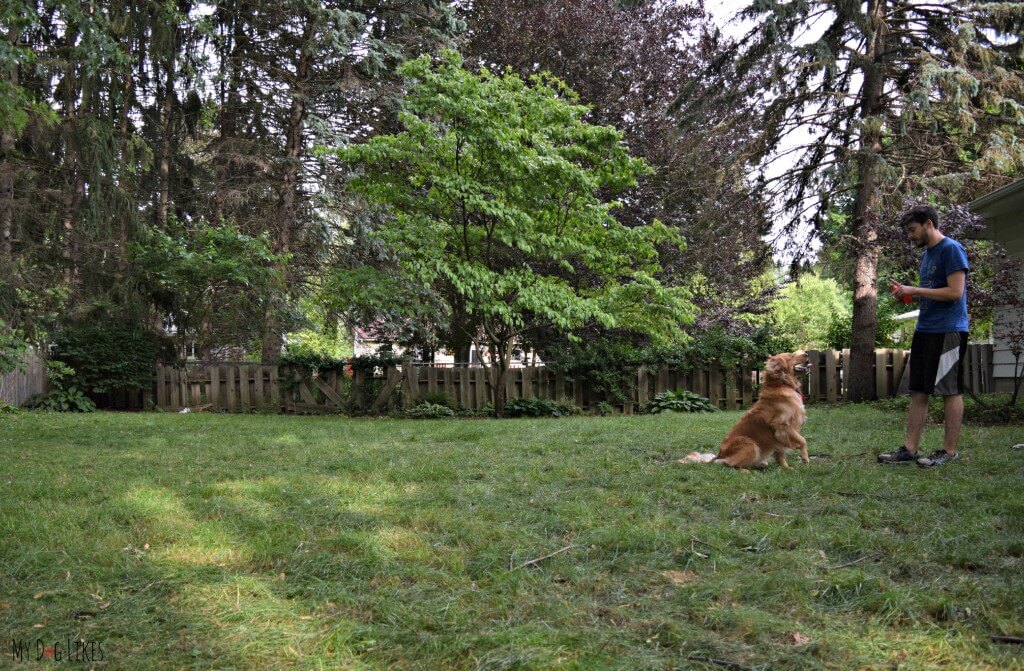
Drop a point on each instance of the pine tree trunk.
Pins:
(287, 211)
(865, 212)
(126, 130)
(7, 174)
(7, 167)
(164, 166)
(74, 195)
(229, 104)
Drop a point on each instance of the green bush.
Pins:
(369, 362)
(12, 348)
(486, 411)
(532, 406)
(679, 401)
(441, 398)
(66, 396)
(430, 411)
(994, 412)
(567, 409)
(108, 358)
(310, 361)
(608, 367)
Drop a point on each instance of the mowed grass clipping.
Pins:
(263, 542)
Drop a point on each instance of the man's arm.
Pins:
(954, 292)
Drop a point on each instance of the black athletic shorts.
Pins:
(937, 363)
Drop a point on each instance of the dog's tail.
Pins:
(697, 458)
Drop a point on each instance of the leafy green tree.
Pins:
(805, 309)
(195, 273)
(874, 101)
(629, 61)
(494, 194)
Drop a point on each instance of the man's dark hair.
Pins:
(920, 214)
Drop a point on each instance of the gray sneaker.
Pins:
(898, 456)
(938, 458)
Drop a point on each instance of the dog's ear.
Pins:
(774, 366)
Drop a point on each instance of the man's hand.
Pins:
(954, 292)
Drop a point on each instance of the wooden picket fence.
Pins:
(255, 387)
(17, 386)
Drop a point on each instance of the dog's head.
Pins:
(783, 368)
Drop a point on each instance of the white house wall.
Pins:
(1004, 221)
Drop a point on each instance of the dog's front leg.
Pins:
(801, 442)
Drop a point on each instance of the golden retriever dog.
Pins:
(772, 425)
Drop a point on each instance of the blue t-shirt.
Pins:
(937, 264)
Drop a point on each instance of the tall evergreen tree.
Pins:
(898, 97)
(299, 73)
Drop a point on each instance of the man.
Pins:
(940, 340)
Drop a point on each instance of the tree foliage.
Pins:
(629, 61)
(901, 98)
(807, 307)
(494, 191)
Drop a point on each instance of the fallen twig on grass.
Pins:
(873, 555)
(694, 539)
(1008, 639)
(880, 497)
(540, 559)
(720, 662)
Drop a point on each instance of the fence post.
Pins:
(257, 387)
(730, 389)
(881, 371)
(831, 376)
(748, 386)
(243, 381)
(641, 386)
(986, 362)
(846, 374)
(814, 376)
(714, 384)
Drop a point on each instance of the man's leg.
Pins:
(954, 412)
(915, 420)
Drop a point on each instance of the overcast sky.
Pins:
(723, 13)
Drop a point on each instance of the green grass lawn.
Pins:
(170, 541)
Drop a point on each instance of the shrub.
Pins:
(66, 396)
(995, 410)
(106, 358)
(310, 361)
(607, 367)
(12, 348)
(430, 411)
(486, 411)
(679, 401)
(532, 406)
(441, 398)
(568, 409)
